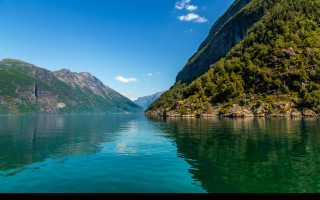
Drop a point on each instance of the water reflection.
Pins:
(27, 139)
(249, 155)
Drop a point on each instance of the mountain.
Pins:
(146, 101)
(26, 88)
(222, 37)
(261, 59)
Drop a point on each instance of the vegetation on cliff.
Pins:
(278, 61)
(25, 88)
(146, 101)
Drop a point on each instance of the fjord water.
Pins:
(134, 153)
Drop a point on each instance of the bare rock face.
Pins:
(289, 52)
(82, 80)
(281, 105)
(296, 114)
(61, 105)
(222, 37)
(48, 102)
(308, 112)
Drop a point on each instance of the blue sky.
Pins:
(136, 47)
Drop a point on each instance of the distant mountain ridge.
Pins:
(146, 101)
(26, 88)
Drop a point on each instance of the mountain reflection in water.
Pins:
(249, 155)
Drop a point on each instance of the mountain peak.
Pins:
(38, 90)
(10, 61)
(63, 71)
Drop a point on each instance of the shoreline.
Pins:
(205, 115)
(278, 110)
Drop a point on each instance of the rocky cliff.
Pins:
(228, 31)
(26, 88)
(272, 70)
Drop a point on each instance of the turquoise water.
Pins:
(136, 154)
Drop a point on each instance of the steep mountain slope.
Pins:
(229, 30)
(232, 10)
(146, 101)
(25, 88)
(273, 71)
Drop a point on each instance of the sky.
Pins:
(136, 47)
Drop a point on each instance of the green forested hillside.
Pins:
(25, 88)
(274, 70)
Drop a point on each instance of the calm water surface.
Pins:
(133, 153)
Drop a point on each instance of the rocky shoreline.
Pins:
(234, 115)
(205, 115)
(283, 110)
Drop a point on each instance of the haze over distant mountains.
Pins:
(26, 88)
(146, 101)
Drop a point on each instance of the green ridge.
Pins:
(25, 88)
(277, 61)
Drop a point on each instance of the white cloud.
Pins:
(188, 17)
(181, 4)
(192, 17)
(191, 7)
(126, 80)
(201, 20)
(149, 74)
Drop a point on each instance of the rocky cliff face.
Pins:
(25, 88)
(234, 8)
(228, 31)
(83, 80)
(272, 70)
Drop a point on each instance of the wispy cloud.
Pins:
(192, 17)
(125, 80)
(149, 74)
(191, 7)
(127, 93)
(181, 4)
(201, 20)
(188, 17)
(189, 30)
